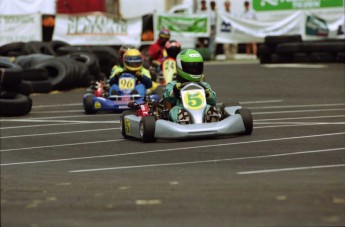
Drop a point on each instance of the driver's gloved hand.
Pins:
(176, 90)
(139, 75)
(208, 93)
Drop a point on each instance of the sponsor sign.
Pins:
(268, 5)
(97, 29)
(192, 26)
(20, 28)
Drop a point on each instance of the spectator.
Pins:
(203, 41)
(251, 48)
(213, 20)
(230, 49)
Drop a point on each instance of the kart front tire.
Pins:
(247, 120)
(88, 105)
(122, 121)
(227, 104)
(147, 129)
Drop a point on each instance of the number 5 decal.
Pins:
(194, 100)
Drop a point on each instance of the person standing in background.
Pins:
(213, 20)
(249, 14)
(203, 41)
(230, 49)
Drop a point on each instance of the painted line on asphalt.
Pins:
(57, 133)
(291, 169)
(61, 145)
(297, 106)
(297, 118)
(308, 66)
(81, 106)
(59, 124)
(204, 161)
(298, 111)
(173, 149)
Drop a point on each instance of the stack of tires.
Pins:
(56, 65)
(291, 49)
(14, 95)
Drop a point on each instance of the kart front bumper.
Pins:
(170, 130)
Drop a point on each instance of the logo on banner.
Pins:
(267, 5)
(225, 26)
(316, 26)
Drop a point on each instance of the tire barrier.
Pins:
(12, 102)
(291, 49)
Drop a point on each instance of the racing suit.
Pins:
(157, 52)
(176, 103)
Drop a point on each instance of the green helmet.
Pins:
(190, 65)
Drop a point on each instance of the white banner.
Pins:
(20, 28)
(18, 7)
(97, 29)
(310, 27)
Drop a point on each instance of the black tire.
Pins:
(330, 47)
(18, 105)
(300, 58)
(281, 58)
(289, 47)
(38, 47)
(35, 74)
(27, 61)
(41, 86)
(147, 129)
(341, 57)
(56, 44)
(90, 60)
(24, 88)
(11, 47)
(247, 120)
(89, 105)
(57, 72)
(227, 104)
(123, 123)
(6, 63)
(282, 39)
(322, 57)
(10, 78)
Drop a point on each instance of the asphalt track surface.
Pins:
(61, 167)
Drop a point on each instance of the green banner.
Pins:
(183, 24)
(271, 5)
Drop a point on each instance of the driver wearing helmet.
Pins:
(190, 65)
(173, 48)
(132, 63)
(117, 69)
(157, 50)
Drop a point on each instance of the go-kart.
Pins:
(149, 120)
(98, 98)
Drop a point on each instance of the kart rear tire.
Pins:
(122, 118)
(88, 105)
(247, 120)
(147, 129)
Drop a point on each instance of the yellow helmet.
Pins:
(132, 60)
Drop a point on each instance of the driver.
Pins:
(190, 65)
(132, 63)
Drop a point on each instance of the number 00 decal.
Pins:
(194, 100)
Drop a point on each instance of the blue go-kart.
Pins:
(98, 99)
